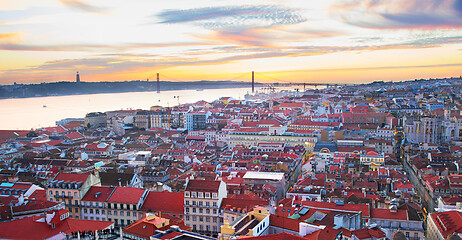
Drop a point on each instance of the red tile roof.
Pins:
(40, 230)
(448, 222)
(7, 134)
(364, 233)
(74, 135)
(98, 194)
(203, 185)
(380, 213)
(243, 205)
(129, 195)
(71, 177)
(145, 227)
(166, 202)
(284, 222)
(324, 234)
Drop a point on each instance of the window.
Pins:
(109, 212)
(76, 210)
(200, 194)
(51, 193)
(214, 211)
(121, 213)
(69, 194)
(193, 194)
(128, 214)
(207, 219)
(201, 219)
(194, 218)
(200, 210)
(214, 204)
(187, 218)
(76, 195)
(200, 203)
(122, 222)
(115, 213)
(76, 202)
(84, 210)
(215, 228)
(97, 211)
(207, 195)
(186, 203)
(91, 211)
(193, 210)
(194, 203)
(207, 211)
(187, 210)
(207, 204)
(186, 194)
(214, 219)
(103, 212)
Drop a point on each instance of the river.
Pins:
(28, 113)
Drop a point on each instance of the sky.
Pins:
(328, 41)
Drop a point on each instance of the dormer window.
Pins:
(186, 194)
(200, 195)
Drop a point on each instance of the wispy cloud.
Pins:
(400, 13)
(83, 6)
(260, 16)
(116, 48)
(246, 25)
(117, 63)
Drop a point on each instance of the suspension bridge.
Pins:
(269, 81)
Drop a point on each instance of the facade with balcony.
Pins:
(202, 202)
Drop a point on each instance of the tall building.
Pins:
(202, 199)
(196, 120)
(70, 189)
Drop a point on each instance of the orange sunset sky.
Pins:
(335, 41)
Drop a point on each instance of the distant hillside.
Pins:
(73, 88)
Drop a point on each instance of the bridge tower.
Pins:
(253, 82)
(158, 83)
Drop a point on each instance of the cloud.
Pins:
(232, 17)
(409, 14)
(93, 47)
(244, 25)
(82, 6)
(125, 62)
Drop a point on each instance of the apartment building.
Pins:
(70, 188)
(202, 200)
